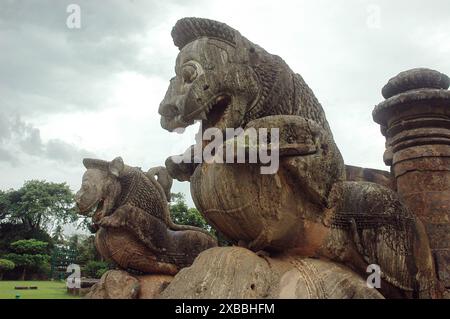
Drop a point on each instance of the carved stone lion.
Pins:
(130, 210)
(307, 207)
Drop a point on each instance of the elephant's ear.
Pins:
(116, 166)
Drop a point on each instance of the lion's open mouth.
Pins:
(211, 115)
(216, 111)
(94, 209)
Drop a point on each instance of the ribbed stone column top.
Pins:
(419, 78)
(411, 86)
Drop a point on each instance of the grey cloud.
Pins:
(64, 152)
(31, 142)
(6, 156)
(48, 69)
(19, 139)
(66, 69)
(346, 61)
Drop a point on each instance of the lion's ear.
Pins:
(116, 166)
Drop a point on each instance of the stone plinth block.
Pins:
(236, 272)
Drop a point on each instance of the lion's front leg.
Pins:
(145, 227)
(270, 138)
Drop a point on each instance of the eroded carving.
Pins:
(130, 210)
(307, 207)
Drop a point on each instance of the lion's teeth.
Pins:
(203, 115)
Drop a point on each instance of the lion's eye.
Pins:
(189, 73)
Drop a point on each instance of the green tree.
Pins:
(29, 256)
(95, 269)
(39, 205)
(73, 241)
(5, 265)
(87, 250)
(85, 247)
(58, 235)
(11, 232)
(183, 215)
(29, 246)
(4, 204)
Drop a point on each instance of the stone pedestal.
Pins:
(415, 119)
(238, 273)
(119, 284)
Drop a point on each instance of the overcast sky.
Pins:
(70, 93)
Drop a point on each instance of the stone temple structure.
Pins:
(415, 119)
(313, 227)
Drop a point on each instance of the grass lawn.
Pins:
(46, 290)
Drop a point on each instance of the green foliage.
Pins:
(38, 205)
(58, 235)
(6, 265)
(37, 264)
(85, 247)
(95, 269)
(183, 215)
(44, 268)
(100, 272)
(4, 204)
(26, 217)
(29, 246)
(87, 250)
(28, 261)
(61, 257)
(10, 233)
(30, 255)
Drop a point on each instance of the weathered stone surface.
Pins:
(388, 112)
(307, 207)
(152, 285)
(85, 287)
(269, 214)
(252, 89)
(316, 223)
(362, 174)
(415, 79)
(118, 284)
(416, 118)
(372, 219)
(443, 266)
(115, 284)
(130, 210)
(234, 272)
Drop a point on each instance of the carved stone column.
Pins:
(415, 119)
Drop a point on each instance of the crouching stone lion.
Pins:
(130, 212)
